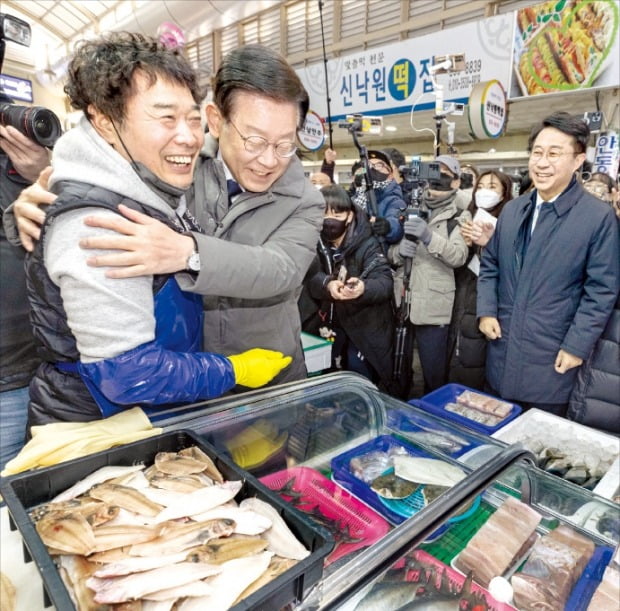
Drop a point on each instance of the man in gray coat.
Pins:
(261, 218)
(549, 276)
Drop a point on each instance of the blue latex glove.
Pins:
(407, 248)
(419, 228)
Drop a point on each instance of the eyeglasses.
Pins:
(552, 156)
(380, 165)
(257, 145)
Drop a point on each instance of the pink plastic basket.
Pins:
(353, 524)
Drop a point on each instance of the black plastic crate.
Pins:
(25, 491)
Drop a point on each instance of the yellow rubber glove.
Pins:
(256, 367)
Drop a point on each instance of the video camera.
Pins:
(418, 174)
(36, 122)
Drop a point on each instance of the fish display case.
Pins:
(416, 503)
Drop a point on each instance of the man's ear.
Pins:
(103, 125)
(214, 119)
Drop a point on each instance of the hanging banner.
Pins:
(606, 154)
(565, 45)
(391, 79)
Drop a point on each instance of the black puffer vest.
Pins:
(54, 392)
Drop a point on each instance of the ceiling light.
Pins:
(391, 128)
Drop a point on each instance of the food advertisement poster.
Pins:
(565, 45)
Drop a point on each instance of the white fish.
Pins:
(162, 496)
(281, 540)
(195, 588)
(427, 471)
(137, 564)
(247, 522)
(200, 501)
(130, 587)
(235, 577)
(97, 477)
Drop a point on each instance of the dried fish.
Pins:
(137, 564)
(110, 537)
(193, 589)
(281, 540)
(200, 501)
(180, 483)
(174, 463)
(7, 593)
(234, 577)
(247, 522)
(69, 532)
(125, 497)
(427, 471)
(97, 477)
(276, 567)
(221, 550)
(75, 570)
(137, 585)
(177, 540)
(210, 469)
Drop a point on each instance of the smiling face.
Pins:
(161, 129)
(552, 176)
(254, 115)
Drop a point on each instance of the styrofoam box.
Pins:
(317, 352)
(551, 430)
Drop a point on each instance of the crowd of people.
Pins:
(164, 265)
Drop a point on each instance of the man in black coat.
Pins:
(549, 276)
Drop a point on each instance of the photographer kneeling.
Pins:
(436, 248)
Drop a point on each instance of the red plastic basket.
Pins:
(320, 498)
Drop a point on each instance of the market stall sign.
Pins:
(312, 134)
(487, 110)
(606, 154)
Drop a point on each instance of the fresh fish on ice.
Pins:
(234, 578)
(201, 501)
(427, 470)
(282, 541)
(97, 477)
(130, 587)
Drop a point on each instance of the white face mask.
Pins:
(486, 198)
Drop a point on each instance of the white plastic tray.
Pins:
(566, 435)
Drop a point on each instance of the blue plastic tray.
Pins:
(392, 510)
(436, 401)
(590, 579)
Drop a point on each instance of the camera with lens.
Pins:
(420, 171)
(39, 124)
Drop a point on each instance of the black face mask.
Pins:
(377, 176)
(442, 184)
(467, 180)
(333, 229)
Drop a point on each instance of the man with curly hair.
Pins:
(113, 343)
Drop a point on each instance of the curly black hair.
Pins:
(101, 71)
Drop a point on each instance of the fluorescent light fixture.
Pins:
(391, 128)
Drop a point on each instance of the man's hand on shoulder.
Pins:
(29, 216)
(146, 246)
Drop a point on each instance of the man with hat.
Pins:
(436, 247)
(386, 222)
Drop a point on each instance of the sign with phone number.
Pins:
(398, 76)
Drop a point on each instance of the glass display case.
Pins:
(342, 452)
